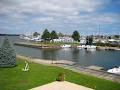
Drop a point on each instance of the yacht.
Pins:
(65, 46)
(114, 70)
(91, 47)
(81, 46)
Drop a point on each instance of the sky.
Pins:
(85, 16)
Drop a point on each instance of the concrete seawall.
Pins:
(77, 68)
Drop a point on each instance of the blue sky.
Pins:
(28, 16)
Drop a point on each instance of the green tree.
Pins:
(36, 34)
(46, 36)
(7, 55)
(117, 36)
(89, 40)
(54, 35)
(76, 36)
(60, 34)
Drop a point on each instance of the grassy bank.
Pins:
(56, 43)
(16, 79)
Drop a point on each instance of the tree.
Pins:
(117, 36)
(76, 36)
(36, 34)
(60, 34)
(7, 55)
(54, 35)
(46, 35)
(89, 40)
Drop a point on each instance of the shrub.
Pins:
(61, 77)
(7, 55)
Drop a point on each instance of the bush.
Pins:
(61, 77)
(7, 55)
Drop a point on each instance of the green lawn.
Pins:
(56, 43)
(16, 79)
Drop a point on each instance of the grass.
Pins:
(15, 79)
(56, 43)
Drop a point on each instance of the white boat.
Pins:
(65, 46)
(91, 47)
(117, 49)
(114, 70)
(81, 46)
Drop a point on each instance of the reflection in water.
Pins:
(75, 54)
(49, 54)
(106, 59)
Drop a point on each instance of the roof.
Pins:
(61, 86)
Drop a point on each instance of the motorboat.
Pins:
(114, 70)
(65, 46)
(81, 46)
(91, 47)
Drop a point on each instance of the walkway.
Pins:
(61, 86)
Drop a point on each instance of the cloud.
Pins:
(43, 20)
(69, 7)
(56, 14)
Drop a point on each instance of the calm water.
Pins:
(106, 59)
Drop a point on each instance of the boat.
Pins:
(91, 47)
(65, 46)
(114, 70)
(81, 46)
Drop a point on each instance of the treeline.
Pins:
(48, 36)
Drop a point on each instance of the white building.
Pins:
(82, 40)
(64, 39)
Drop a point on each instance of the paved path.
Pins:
(61, 86)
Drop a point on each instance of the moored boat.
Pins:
(65, 46)
(114, 70)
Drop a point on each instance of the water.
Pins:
(106, 59)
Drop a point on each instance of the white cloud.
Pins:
(68, 7)
(43, 20)
(63, 14)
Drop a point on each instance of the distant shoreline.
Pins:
(36, 46)
(58, 47)
(9, 35)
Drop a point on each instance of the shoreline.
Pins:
(35, 45)
(69, 65)
(58, 47)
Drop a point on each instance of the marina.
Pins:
(103, 58)
(60, 45)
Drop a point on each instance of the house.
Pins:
(64, 39)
